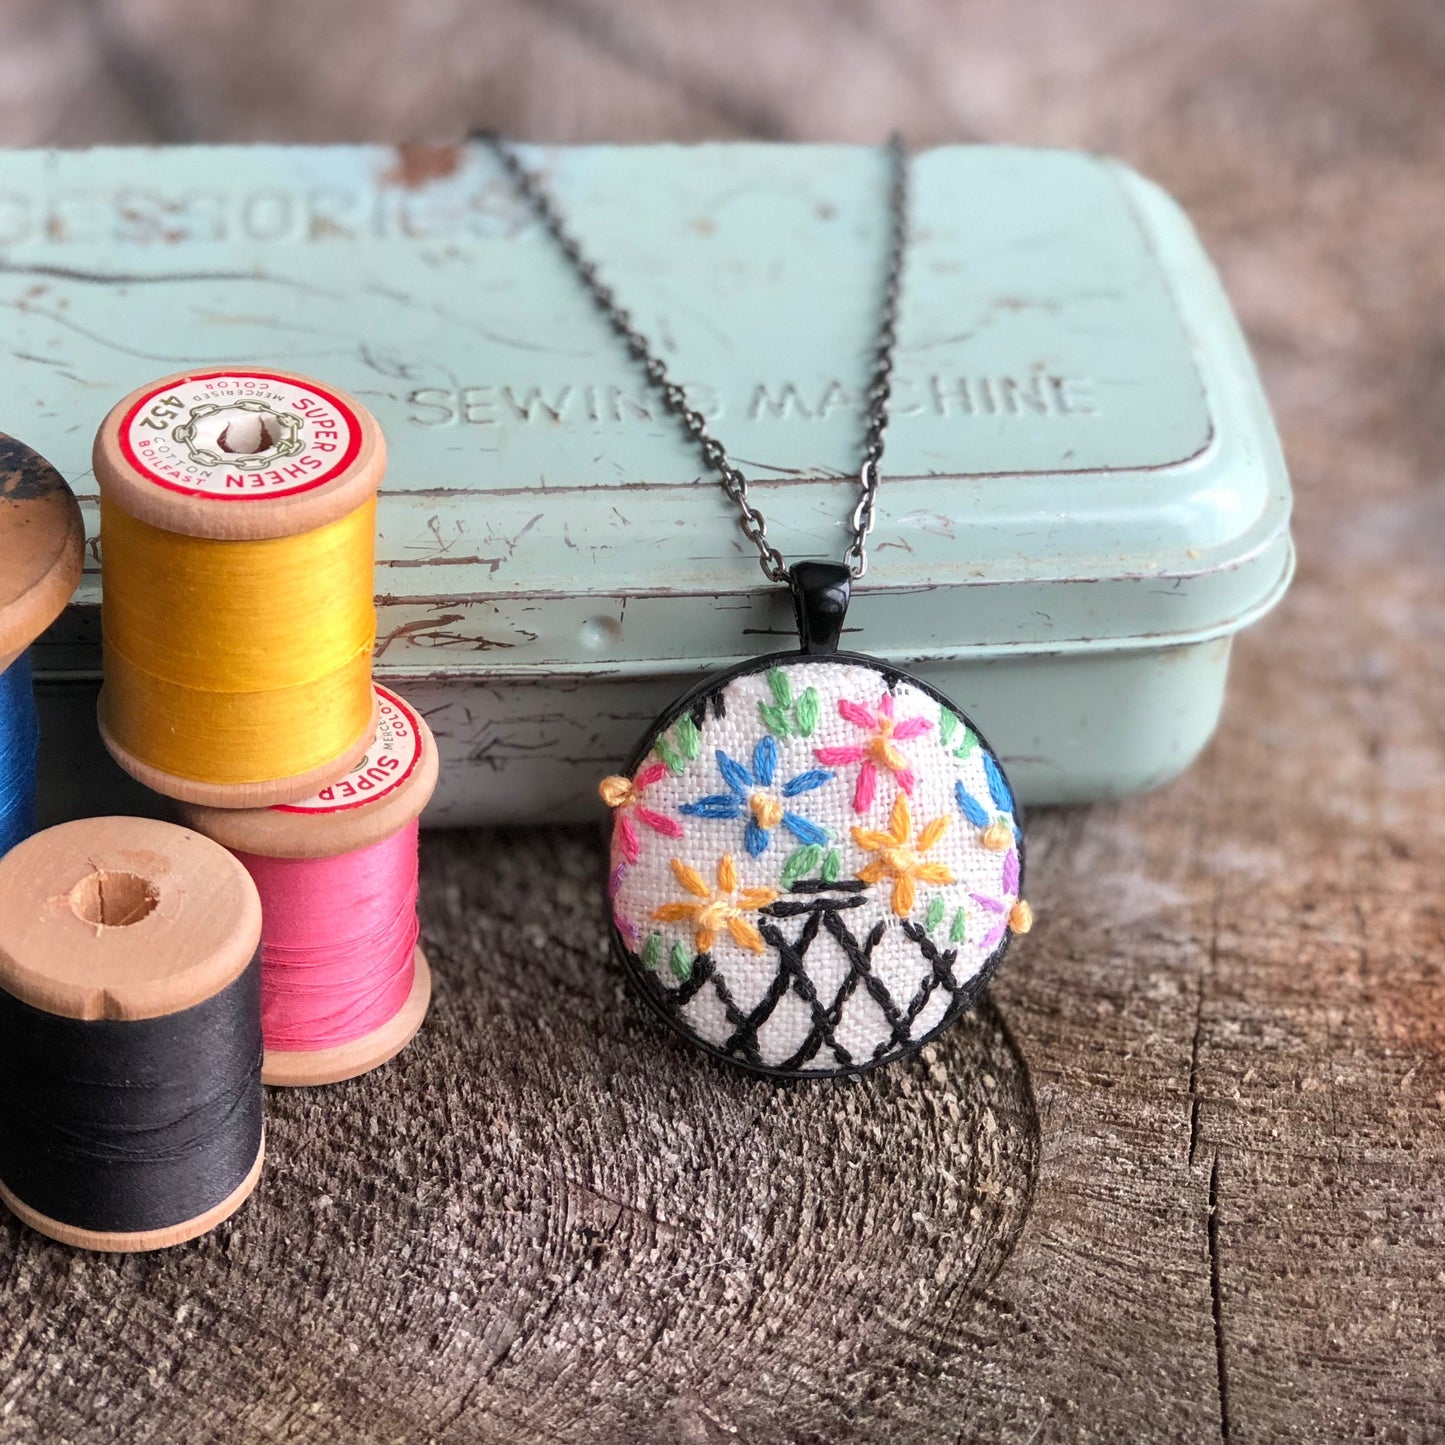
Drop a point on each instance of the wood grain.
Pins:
(1208, 1205)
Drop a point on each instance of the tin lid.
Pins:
(385, 791)
(1081, 456)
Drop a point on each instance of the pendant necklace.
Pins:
(817, 861)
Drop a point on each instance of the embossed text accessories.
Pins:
(817, 860)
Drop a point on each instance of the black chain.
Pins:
(752, 521)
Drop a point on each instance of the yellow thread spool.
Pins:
(238, 521)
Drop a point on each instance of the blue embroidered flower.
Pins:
(751, 795)
(1000, 831)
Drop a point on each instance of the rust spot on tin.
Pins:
(417, 165)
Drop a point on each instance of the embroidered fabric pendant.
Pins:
(816, 859)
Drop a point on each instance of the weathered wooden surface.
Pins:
(1224, 1219)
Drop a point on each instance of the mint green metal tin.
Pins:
(1084, 497)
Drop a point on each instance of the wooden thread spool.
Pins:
(42, 542)
(384, 794)
(133, 943)
(42, 545)
(237, 552)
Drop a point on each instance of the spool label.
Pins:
(240, 436)
(389, 762)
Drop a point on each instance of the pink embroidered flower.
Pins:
(624, 797)
(880, 751)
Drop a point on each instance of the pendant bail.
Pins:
(821, 592)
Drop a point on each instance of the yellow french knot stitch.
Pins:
(617, 792)
(766, 809)
(885, 752)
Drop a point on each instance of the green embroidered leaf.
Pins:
(947, 726)
(680, 963)
(801, 862)
(806, 712)
(675, 764)
(934, 916)
(652, 951)
(688, 737)
(782, 688)
(774, 719)
(969, 743)
(831, 866)
(959, 931)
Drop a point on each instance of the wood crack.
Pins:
(1216, 1301)
(1194, 1071)
(1205, 974)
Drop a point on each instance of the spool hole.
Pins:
(108, 899)
(246, 435)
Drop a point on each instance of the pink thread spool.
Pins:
(344, 984)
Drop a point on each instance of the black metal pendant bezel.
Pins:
(695, 700)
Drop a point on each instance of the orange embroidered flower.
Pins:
(900, 855)
(714, 911)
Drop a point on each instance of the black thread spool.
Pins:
(130, 1034)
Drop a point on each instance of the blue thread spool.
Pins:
(41, 544)
(19, 749)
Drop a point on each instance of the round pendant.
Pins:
(817, 864)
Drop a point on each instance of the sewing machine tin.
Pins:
(1084, 497)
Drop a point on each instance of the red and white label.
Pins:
(389, 762)
(240, 436)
